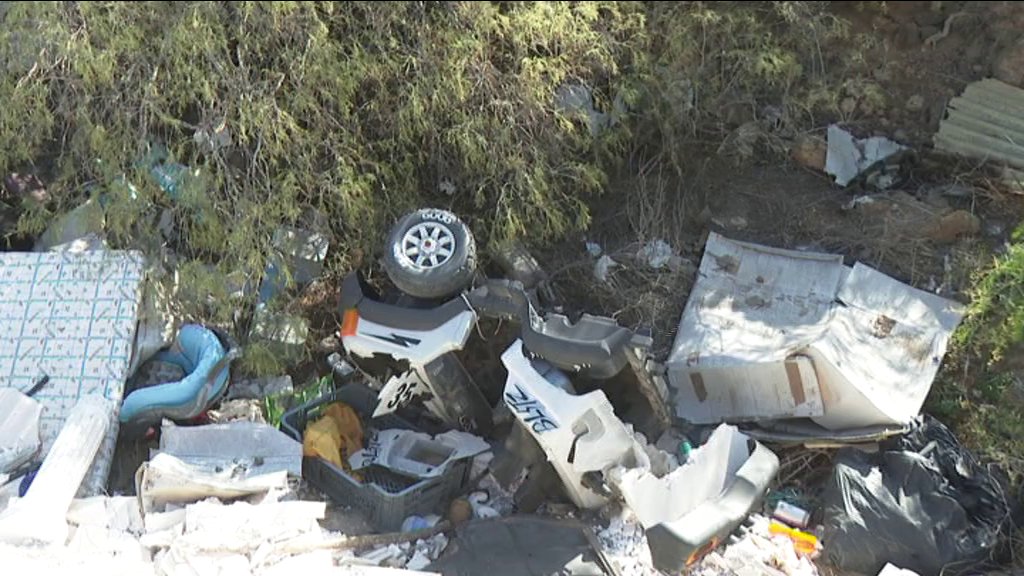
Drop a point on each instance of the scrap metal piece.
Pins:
(986, 122)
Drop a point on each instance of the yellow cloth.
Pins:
(335, 436)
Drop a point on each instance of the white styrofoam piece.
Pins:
(117, 513)
(19, 428)
(875, 343)
(41, 516)
(72, 317)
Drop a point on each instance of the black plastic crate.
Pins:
(385, 498)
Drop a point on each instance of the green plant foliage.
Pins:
(274, 407)
(361, 111)
(716, 65)
(994, 322)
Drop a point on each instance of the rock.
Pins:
(682, 265)
(900, 135)
(954, 225)
(656, 253)
(27, 186)
(460, 511)
(908, 36)
(329, 344)
(929, 18)
(995, 229)
(915, 103)
(738, 223)
(929, 31)
(1009, 65)
(810, 151)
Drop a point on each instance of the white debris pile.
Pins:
(656, 253)
(499, 499)
(756, 552)
(206, 537)
(407, 555)
(625, 545)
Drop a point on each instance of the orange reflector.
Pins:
(701, 552)
(349, 322)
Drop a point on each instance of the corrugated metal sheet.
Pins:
(987, 122)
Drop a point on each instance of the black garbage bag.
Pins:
(922, 503)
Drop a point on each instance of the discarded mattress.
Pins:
(771, 334)
(71, 317)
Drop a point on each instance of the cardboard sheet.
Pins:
(769, 334)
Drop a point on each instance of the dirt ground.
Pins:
(779, 202)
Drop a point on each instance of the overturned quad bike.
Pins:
(563, 379)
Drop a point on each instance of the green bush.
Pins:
(362, 110)
(359, 110)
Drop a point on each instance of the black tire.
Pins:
(430, 281)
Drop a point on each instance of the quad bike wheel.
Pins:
(430, 254)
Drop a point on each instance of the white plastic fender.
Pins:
(579, 434)
(417, 347)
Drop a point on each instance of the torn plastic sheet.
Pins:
(19, 428)
(246, 448)
(417, 454)
(848, 157)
